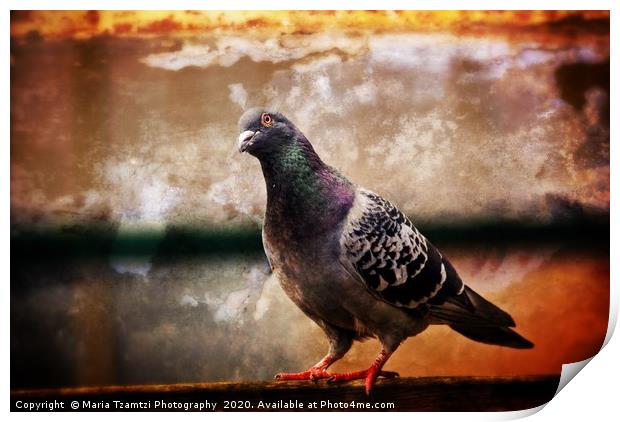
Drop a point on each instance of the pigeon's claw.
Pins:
(313, 374)
(389, 374)
(370, 375)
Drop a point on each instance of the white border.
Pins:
(592, 395)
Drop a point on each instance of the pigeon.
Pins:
(352, 261)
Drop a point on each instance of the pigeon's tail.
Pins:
(501, 336)
(478, 319)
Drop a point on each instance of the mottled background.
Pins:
(135, 224)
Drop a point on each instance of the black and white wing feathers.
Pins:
(397, 264)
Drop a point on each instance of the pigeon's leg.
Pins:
(370, 374)
(316, 372)
(339, 345)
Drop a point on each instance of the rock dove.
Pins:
(351, 261)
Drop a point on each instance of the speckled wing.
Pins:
(397, 264)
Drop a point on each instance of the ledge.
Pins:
(407, 394)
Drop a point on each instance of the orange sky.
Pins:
(80, 24)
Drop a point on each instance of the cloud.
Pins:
(229, 50)
(188, 300)
(229, 306)
(238, 95)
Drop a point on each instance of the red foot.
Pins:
(315, 373)
(312, 374)
(370, 375)
(319, 371)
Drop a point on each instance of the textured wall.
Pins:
(446, 126)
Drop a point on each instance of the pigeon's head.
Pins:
(264, 131)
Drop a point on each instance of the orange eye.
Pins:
(266, 120)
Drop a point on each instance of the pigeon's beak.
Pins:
(245, 140)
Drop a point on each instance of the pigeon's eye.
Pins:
(266, 120)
